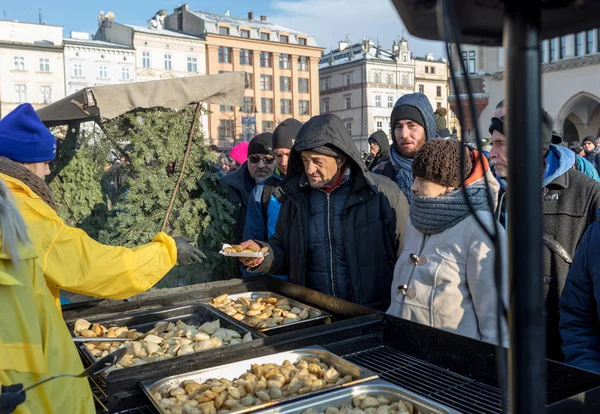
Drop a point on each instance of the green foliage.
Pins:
(199, 210)
(132, 213)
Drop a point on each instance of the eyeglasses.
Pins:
(254, 159)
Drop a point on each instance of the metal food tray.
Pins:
(323, 317)
(375, 388)
(236, 369)
(195, 314)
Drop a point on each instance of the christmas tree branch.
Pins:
(185, 157)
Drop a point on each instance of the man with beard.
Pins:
(412, 123)
(340, 228)
(240, 183)
(570, 202)
(263, 209)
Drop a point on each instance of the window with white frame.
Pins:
(377, 100)
(324, 83)
(19, 63)
(245, 33)
(103, 72)
(168, 62)
(390, 101)
(146, 59)
(325, 106)
(44, 65)
(192, 64)
(284, 61)
(377, 77)
(348, 102)
(125, 74)
(21, 92)
(468, 58)
(78, 69)
(266, 82)
(46, 94)
(379, 125)
(348, 78)
(348, 125)
(438, 91)
(421, 88)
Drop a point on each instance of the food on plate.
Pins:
(367, 404)
(250, 249)
(262, 313)
(166, 340)
(262, 383)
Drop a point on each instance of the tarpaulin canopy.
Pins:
(107, 102)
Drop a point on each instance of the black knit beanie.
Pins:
(261, 144)
(285, 133)
(589, 138)
(548, 136)
(438, 161)
(407, 112)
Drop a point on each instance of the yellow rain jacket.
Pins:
(35, 342)
(73, 261)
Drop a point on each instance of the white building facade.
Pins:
(95, 63)
(159, 53)
(360, 83)
(31, 65)
(570, 82)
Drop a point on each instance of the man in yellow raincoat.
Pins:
(34, 340)
(69, 258)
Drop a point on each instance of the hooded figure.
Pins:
(411, 113)
(378, 139)
(444, 277)
(340, 228)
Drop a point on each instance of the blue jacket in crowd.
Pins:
(255, 227)
(579, 311)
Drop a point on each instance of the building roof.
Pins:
(94, 43)
(241, 21)
(354, 53)
(161, 32)
(438, 60)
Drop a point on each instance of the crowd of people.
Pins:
(393, 232)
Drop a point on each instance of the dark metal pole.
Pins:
(527, 365)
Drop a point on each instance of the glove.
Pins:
(10, 398)
(186, 253)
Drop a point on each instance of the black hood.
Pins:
(320, 130)
(381, 138)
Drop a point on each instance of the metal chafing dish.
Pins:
(195, 314)
(236, 369)
(374, 388)
(316, 316)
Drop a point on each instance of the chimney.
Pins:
(430, 57)
(185, 7)
(250, 15)
(342, 45)
(263, 18)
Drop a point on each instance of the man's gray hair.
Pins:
(12, 225)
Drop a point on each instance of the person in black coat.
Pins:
(579, 311)
(592, 152)
(340, 228)
(379, 147)
(570, 200)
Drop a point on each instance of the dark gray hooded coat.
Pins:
(373, 221)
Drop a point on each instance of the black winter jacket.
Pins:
(239, 185)
(374, 219)
(594, 158)
(570, 203)
(384, 149)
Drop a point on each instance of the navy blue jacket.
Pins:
(579, 311)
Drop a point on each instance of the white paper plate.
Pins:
(241, 254)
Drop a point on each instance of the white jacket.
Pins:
(452, 286)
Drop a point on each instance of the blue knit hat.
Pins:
(24, 138)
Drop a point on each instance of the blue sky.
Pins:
(328, 20)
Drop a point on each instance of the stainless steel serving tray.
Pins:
(344, 396)
(236, 369)
(195, 314)
(317, 316)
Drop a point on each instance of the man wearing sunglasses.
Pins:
(240, 183)
(340, 227)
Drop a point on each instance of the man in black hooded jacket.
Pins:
(379, 149)
(340, 228)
